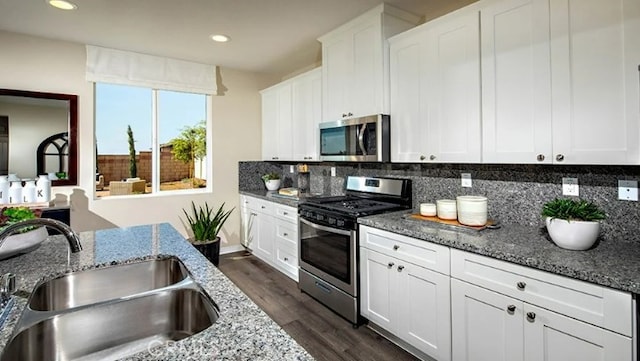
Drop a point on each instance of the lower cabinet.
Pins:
(489, 326)
(270, 230)
(406, 300)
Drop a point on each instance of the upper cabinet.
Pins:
(595, 53)
(560, 81)
(559, 84)
(355, 58)
(435, 91)
(290, 116)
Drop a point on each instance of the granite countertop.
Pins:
(243, 331)
(611, 263)
(273, 196)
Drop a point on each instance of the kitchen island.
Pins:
(242, 332)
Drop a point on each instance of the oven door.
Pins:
(330, 254)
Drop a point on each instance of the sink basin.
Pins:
(101, 284)
(115, 329)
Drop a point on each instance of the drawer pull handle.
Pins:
(285, 213)
(390, 264)
(521, 285)
(511, 309)
(286, 259)
(395, 248)
(400, 268)
(531, 316)
(263, 207)
(285, 234)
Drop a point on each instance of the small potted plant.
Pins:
(572, 224)
(205, 225)
(25, 239)
(271, 181)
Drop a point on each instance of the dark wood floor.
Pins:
(325, 335)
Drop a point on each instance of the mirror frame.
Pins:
(72, 172)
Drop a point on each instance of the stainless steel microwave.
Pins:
(364, 139)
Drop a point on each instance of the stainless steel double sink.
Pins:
(111, 312)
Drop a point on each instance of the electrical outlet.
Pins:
(333, 171)
(628, 190)
(290, 169)
(465, 180)
(570, 186)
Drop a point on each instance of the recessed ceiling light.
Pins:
(62, 4)
(220, 38)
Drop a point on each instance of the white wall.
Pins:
(32, 63)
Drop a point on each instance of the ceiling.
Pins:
(268, 36)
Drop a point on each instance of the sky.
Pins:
(118, 106)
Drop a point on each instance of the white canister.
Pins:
(29, 191)
(15, 192)
(472, 210)
(446, 209)
(4, 189)
(43, 189)
(428, 209)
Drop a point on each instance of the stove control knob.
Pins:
(331, 220)
(340, 223)
(319, 217)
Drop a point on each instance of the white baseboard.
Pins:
(231, 249)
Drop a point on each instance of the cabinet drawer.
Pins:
(597, 305)
(287, 261)
(286, 212)
(257, 204)
(287, 235)
(424, 254)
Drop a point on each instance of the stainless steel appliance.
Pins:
(328, 239)
(363, 139)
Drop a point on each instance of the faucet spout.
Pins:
(64, 229)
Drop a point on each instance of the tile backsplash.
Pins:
(515, 193)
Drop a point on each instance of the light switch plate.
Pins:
(570, 186)
(465, 180)
(290, 169)
(628, 190)
(333, 171)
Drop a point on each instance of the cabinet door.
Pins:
(366, 80)
(378, 289)
(516, 82)
(284, 123)
(337, 64)
(408, 98)
(264, 236)
(424, 307)
(453, 88)
(270, 124)
(553, 337)
(307, 112)
(483, 327)
(595, 54)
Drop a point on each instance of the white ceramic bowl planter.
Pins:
(272, 184)
(574, 235)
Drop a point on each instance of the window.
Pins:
(166, 131)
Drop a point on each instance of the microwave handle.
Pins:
(361, 139)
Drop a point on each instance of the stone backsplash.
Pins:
(515, 193)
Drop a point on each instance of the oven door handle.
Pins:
(326, 229)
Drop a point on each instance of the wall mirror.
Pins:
(38, 135)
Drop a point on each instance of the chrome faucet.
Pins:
(72, 237)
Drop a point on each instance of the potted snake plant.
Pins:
(573, 224)
(205, 225)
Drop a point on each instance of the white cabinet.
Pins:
(502, 311)
(270, 230)
(402, 292)
(435, 91)
(355, 75)
(516, 82)
(290, 116)
(560, 81)
(595, 54)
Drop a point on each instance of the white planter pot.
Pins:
(273, 184)
(574, 235)
(23, 242)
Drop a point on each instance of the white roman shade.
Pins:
(113, 66)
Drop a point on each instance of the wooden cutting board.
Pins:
(452, 222)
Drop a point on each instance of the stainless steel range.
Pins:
(328, 239)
